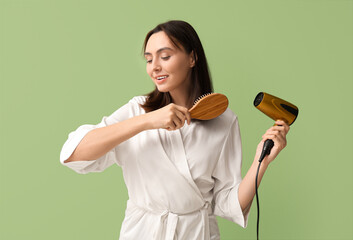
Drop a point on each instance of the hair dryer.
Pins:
(277, 109)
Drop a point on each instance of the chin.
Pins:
(163, 89)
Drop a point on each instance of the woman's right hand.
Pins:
(170, 117)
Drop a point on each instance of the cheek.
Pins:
(178, 67)
(148, 70)
(181, 69)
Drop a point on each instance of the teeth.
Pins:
(160, 78)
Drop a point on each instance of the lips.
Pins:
(161, 78)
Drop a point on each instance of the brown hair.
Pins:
(181, 34)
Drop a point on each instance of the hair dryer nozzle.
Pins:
(276, 108)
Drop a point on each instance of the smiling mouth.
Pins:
(161, 77)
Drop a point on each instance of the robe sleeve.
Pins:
(76, 137)
(227, 176)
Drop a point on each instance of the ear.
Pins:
(193, 59)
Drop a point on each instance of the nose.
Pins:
(156, 66)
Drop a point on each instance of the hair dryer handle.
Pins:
(268, 145)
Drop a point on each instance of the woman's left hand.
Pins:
(278, 135)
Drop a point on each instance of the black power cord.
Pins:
(257, 202)
(265, 151)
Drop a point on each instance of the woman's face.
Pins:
(168, 66)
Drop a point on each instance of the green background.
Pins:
(65, 63)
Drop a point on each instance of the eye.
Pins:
(165, 58)
(148, 61)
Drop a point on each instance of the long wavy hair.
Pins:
(182, 34)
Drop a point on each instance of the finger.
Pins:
(170, 125)
(281, 129)
(181, 116)
(185, 112)
(276, 131)
(283, 124)
(286, 127)
(173, 121)
(279, 141)
(179, 119)
(272, 132)
(278, 128)
(178, 124)
(188, 117)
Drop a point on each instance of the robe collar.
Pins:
(179, 158)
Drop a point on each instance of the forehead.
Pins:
(157, 41)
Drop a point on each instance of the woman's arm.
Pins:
(101, 140)
(247, 186)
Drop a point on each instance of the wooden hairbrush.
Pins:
(209, 106)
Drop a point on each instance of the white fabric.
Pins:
(177, 181)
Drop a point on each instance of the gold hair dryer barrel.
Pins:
(276, 108)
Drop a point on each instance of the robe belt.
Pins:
(172, 221)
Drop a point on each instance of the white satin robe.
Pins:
(177, 181)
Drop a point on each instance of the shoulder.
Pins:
(228, 118)
(138, 100)
(135, 104)
(220, 125)
(130, 109)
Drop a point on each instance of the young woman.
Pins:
(179, 173)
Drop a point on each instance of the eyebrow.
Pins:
(159, 50)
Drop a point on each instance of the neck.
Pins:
(180, 95)
(181, 100)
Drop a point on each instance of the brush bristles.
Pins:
(202, 96)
